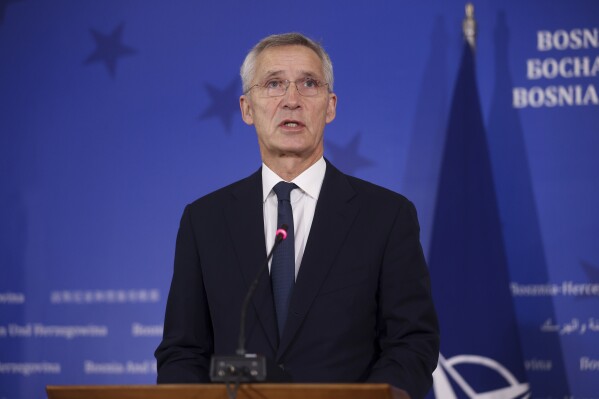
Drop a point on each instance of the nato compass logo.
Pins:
(446, 370)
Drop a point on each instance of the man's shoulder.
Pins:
(217, 198)
(370, 188)
(372, 191)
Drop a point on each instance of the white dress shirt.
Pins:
(303, 202)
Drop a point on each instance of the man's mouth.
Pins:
(291, 123)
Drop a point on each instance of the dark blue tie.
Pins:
(282, 269)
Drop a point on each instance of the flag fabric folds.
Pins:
(480, 346)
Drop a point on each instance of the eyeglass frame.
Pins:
(287, 83)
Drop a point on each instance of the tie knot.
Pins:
(283, 189)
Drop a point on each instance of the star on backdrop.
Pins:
(346, 157)
(225, 103)
(109, 48)
(3, 6)
(591, 271)
(592, 274)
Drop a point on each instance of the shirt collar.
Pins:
(309, 181)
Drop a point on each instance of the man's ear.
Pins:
(331, 107)
(246, 110)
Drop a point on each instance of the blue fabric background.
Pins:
(115, 114)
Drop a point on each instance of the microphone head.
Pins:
(281, 233)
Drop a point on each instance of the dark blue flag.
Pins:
(480, 347)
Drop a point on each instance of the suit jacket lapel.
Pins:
(333, 217)
(246, 224)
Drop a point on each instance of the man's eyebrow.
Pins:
(270, 74)
(309, 74)
(275, 73)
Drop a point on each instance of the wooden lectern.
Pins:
(218, 391)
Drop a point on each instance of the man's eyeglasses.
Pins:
(307, 87)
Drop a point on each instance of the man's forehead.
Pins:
(283, 59)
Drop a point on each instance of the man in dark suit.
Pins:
(357, 306)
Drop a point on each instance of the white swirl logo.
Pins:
(446, 370)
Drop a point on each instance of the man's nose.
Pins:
(292, 96)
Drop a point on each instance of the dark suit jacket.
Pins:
(361, 308)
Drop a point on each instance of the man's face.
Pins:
(291, 125)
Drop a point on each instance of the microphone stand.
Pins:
(244, 367)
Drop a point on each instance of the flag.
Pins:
(480, 346)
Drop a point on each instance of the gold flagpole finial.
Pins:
(469, 26)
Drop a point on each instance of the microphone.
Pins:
(245, 366)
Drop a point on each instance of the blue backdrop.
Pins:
(115, 114)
